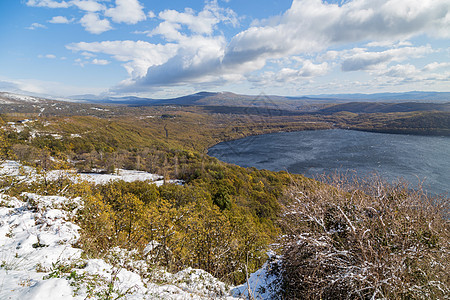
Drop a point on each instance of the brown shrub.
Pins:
(364, 240)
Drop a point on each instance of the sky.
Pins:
(163, 49)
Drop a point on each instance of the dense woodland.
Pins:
(223, 218)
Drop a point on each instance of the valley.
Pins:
(201, 212)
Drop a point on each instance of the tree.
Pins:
(129, 219)
(97, 222)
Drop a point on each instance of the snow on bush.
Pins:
(368, 240)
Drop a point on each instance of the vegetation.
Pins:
(422, 123)
(364, 240)
(220, 220)
(355, 242)
(214, 222)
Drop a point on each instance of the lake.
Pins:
(392, 156)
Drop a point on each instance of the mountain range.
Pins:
(226, 102)
(232, 99)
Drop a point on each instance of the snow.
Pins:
(13, 168)
(262, 283)
(125, 175)
(37, 238)
(22, 98)
(38, 259)
(32, 237)
(99, 109)
(4, 101)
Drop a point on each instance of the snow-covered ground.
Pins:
(125, 175)
(13, 168)
(38, 259)
(262, 283)
(20, 98)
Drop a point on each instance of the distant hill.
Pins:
(271, 101)
(226, 102)
(11, 98)
(390, 97)
(381, 107)
(223, 99)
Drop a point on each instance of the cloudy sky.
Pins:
(170, 48)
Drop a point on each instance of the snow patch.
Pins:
(262, 283)
(22, 98)
(28, 174)
(38, 260)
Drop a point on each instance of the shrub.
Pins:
(97, 222)
(367, 240)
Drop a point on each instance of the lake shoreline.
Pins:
(390, 160)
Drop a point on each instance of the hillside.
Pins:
(269, 101)
(380, 107)
(40, 260)
(414, 96)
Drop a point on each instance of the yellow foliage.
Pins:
(97, 223)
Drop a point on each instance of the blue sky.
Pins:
(171, 48)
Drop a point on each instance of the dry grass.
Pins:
(364, 240)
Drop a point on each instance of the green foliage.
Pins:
(97, 221)
(96, 286)
(5, 146)
(422, 123)
(222, 198)
(186, 226)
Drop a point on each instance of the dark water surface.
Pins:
(393, 156)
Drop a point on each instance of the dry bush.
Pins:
(364, 240)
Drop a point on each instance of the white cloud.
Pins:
(36, 26)
(92, 23)
(80, 62)
(290, 75)
(48, 3)
(310, 69)
(137, 56)
(196, 60)
(21, 86)
(101, 62)
(170, 31)
(151, 14)
(126, 11)
(202, 23)
(313, 25)
(196, 52)
(372, 60)
(49, 56)
(44, 88)
(88, 54)
(60, 20)
(88, 5)
(408, 75)
(401, 71)
(388, 44)
(435, 65)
